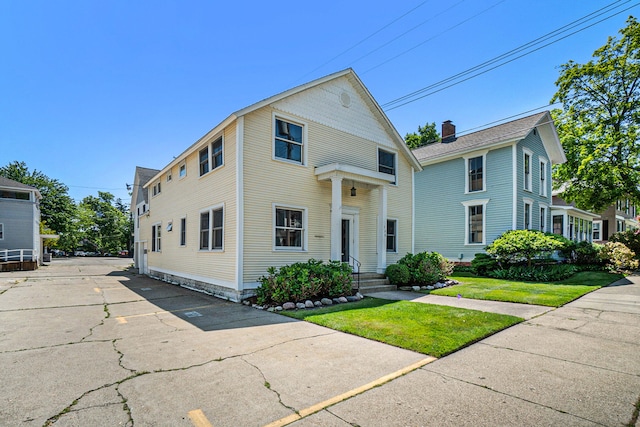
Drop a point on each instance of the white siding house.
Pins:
(317, 171)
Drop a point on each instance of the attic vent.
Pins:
(345, 99)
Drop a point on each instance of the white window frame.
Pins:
(156, 237)
(305, 228)
(169, 226)
(467, 181)
(157, 188)
(289, 119)
(543, 222)
(1, 231)
(395, 236)
(169, 176)
(395, 162)
(467, 205)
(544, 176)
(525, 220)
(599, 231)
(182, 167)
(210, 210)
(527, 178)
(183, 232)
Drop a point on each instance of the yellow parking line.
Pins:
(121, 320)
(351, 393)
(97, 290)
(198, 418)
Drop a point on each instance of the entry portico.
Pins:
(342, 175)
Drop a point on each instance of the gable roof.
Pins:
(142, 177)
(494, 137)
(16, 185)
(353, 78)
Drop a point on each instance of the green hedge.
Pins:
(305, 280)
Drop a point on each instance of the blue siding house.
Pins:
(475, 187)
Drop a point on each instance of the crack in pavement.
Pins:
(445, 376)
(582, 333)
(268, 385)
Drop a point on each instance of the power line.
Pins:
(409, 98)
(366, 38)
(464, 21)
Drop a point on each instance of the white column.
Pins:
(336, 218)
(382, 228)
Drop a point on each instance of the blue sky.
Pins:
(91, 89)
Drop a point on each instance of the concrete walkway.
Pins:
(524, 311)
(577, 365)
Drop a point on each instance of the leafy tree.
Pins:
(57, 208)
(103, 224)
(427, 134)
(600, 122)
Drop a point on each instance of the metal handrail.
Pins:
(358, 264)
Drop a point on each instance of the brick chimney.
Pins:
(448, 131)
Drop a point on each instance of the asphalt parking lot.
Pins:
(85, 342)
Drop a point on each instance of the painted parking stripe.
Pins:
(198, 418)
(351, 393)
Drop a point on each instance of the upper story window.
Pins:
(527, 169)
(475, 174)
(204, 160)
(216, 153)
(19, 195)
(182, 171)
(169, 176)
(288, 141)
(386, 162)
(157, 188)
(543, 177)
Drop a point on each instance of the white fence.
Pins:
(18, 255)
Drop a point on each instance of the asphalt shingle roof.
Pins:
(514, 130)
(6, 182)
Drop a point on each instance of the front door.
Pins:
(346, 240)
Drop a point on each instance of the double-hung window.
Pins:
(289, 228)
(543, 178)
(475, 221)
(475, 174)
(528, 205)
(204, 160)
(211, 157)
(526, 160)
(156, 232)
(288, 141)
(182, 170)
(212, 229)
(392, 235)
(543, 218)
(386, 162)
(183, 231)
(596, 230)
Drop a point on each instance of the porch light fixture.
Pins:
(353, 190)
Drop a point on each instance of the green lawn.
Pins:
(552, 294)
(426, 328)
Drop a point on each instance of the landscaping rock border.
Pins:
(307, 305)
(439, 285)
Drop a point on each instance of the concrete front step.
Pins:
(372, 282)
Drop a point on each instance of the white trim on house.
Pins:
(544, 183)
(240, 203)
(365, 176)
(305, 228)
(468, 157)
(527, 201)
(413, 211)
(514, 179)
(305, 139)
(543, 227)
(527, 180)
(210, 210)
(467, 204)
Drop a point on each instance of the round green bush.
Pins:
(398, 274)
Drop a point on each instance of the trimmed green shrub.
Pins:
(515, 246)
(630, 238)
(483, 263)
(546, 273)
(618, 257)
(304, 280)
(398, 274)
(426, 268)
